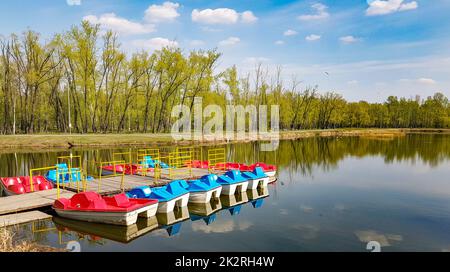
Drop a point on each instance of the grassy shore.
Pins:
(64, 141)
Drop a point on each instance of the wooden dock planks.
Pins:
(21, 218)
(26, 202)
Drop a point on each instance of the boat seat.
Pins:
(12, 181)
(17, 188)
(120, 200)
(88, 200)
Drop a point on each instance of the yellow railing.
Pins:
(114, 173)
(180, 162)
(44, 169)
(38, 229)
(216, 156)
(70, 160)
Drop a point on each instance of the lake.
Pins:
(332, 194)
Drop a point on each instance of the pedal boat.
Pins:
(256, 179)
(270, 170)
(203, 190)
(233, 182)
(126, 169)
(170, 196)
(198, 164)
(116, 210)
(22, 185)
(65, 175)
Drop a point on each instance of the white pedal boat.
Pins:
(256, 179)
(203, 190)
(233, 182)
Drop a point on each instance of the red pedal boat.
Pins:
(270, 170)
(22, 185)
(116, 210)
(120, 168)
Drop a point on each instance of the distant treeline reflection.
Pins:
(299, 155)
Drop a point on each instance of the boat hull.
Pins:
(231, 189)
(255, 183)
(113, 218)
(205, 197)
(271, 174)
(169, 206)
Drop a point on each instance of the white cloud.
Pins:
(353, 82)
(195, 43)
(224, 16)
(320, 13)
(383, 7)
(110, 21)
(290, 32)
(427, 81)
(313, 37)
(279, 42)
(248, 17)
(166, 12)
(73, 2)
(349, 39)
(230, 41)
(215, 16)
(154, 44)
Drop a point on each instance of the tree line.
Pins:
(82, 81)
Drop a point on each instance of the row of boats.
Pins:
(125, 209)
(169, 222)
(146, 202)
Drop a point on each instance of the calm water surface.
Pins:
(333, 194)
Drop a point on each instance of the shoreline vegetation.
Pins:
(66, 141)
(9, 243)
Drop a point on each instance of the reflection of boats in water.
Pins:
(122, 234)
(233, 203)
(207, 212)
(172, 221)
(257, 196)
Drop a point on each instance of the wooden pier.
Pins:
(22, 218)
(31, 201)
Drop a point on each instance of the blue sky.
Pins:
(361, 49)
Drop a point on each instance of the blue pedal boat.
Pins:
(148, 162)
(257, 178)
(169, 196)
(203, 190)
(66, 175)
(233, 182)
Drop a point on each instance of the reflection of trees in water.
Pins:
(300, 155)
(305, 154)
